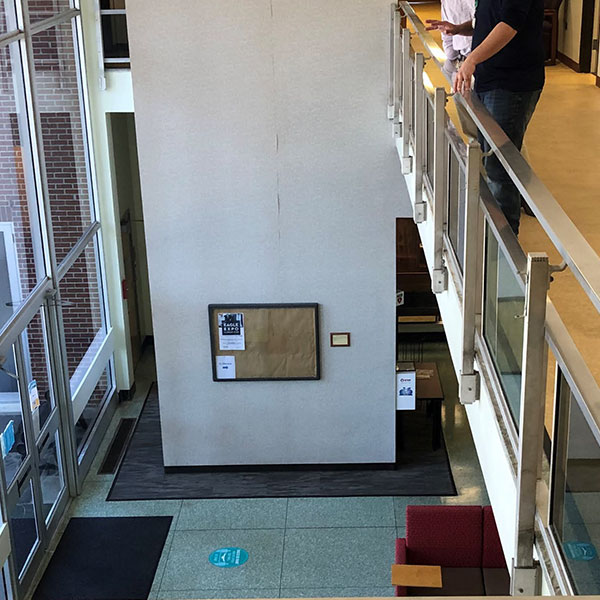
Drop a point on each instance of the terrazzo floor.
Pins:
(298, 547)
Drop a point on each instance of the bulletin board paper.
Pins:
(281, 342)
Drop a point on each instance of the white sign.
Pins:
(231, 331)
(225, 367)
(406, 390)
(34, 396)
(399, 298)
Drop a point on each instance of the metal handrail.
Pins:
(581, 258)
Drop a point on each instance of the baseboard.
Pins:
(255, 468)
(569, 62)
(127, 394)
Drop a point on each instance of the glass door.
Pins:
(32, 451)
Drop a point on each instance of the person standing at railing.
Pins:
(507, 61)
(456, 47)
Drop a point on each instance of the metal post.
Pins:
(392, 83)
(420, 140)
(406, 103)
(439, 278)
(472, 276)
(398, 73)
(526, 580)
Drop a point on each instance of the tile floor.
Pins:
(298, 547)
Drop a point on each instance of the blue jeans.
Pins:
(512, 111)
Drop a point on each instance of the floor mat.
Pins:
(105, 559)
(420, 471)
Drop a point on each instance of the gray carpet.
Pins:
(420, 471)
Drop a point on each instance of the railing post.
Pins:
(526, 580)
(420, 209)
(406, 103)
(397, 75)
(439, 279)
(391, 89)
(472, 276)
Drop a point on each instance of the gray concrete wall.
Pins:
(269, 174)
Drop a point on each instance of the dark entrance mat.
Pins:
(420, 471)
(105, 559)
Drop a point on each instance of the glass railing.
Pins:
(503, 312)
(514, 341)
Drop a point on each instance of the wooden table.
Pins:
(417, 575)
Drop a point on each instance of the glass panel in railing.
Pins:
(504, 304)
(575, 512)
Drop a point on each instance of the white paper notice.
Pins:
(406, 390)
(225, 367)
(231, 331)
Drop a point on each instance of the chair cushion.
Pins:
(496, 582)
(456, 581)
(449, 536)
(493, 556)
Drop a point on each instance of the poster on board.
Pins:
(231, 331)
(406, 390)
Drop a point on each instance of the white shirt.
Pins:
(457, 11)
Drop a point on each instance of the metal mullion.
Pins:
(61, 17)
(32, 472)
(102, 287)
(420, 148)
(525, 579)
(85, 111)
(473, 259)
(55, 332)
(10, 37)
(20, 319)
(391, 81)
(77, 250)
(440, 274)
(406, 103)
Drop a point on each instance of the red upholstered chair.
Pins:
(493, 564)
(465, 540)
(449, 536)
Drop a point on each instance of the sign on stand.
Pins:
(406, 390)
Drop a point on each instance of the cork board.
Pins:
(258, 342)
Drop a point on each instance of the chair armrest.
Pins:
(401, 560)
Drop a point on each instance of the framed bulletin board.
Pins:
(261, 342)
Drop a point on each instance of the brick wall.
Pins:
(56, 81)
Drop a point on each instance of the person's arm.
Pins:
(499, 37)
(513, 17)
(449, 50)
(450, 28)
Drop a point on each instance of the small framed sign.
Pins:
(339, 339)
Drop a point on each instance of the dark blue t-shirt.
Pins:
(519, 66)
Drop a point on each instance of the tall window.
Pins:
(114, 33)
